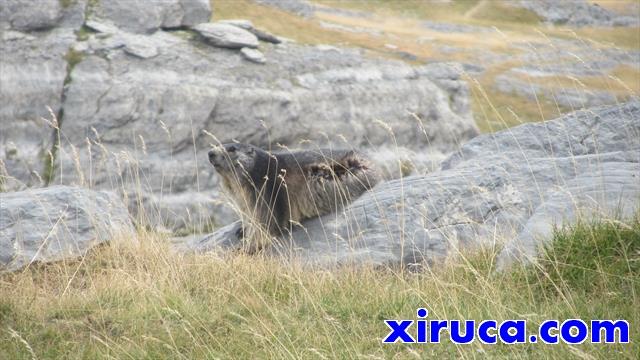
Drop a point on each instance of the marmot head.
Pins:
(233, 157)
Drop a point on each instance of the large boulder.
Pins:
(510, 187)
(41, 15)
(115, 102)
(35, 40)
(141, 16)
(42, 225)
(29, 15)
(33, 69)
(141, 111)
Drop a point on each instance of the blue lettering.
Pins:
(467, 338)
(579, 337)
(398, 331)
(422, 325)
(518, 336)
(545, 332)
(609, 331)
(435, 327)
(483, 332)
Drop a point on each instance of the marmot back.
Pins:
(279, 188)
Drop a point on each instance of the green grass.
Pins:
(129, 300)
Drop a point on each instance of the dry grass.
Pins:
(141, 300)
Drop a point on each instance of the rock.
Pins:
(325, 47)
(253, 55)
(248, 25)
(298, 7)
(30, 15)
(512, 186)
(148, 16)
(138, 112)
(141, 49)
(135, 104)
(42, 225)
(144, 124)
(105, 27)
(227, 36)
(577, 13)
(569, 97)
(35, 55)
(454, 28)
(41, 15)
(31, 86)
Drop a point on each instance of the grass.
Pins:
(140, 300)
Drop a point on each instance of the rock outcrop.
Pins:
(510, 187)
(227, 36)
(138, 104)
(54, 223)
(140, 16)
(579, 13)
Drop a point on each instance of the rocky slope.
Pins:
(580, 13)
(139, 101)
(509, 188)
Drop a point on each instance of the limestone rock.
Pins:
(55, 223)
(248, 25)
(227, 36)
(31, 86)
(577, 13)
(510, 187)
(140, 16)
(253, 55)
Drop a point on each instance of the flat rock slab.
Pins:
(145, 17)
(248, 25)
(253, 55)
(227, 36)
(510, 187)
(55, 223)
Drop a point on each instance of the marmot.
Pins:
(278, 189)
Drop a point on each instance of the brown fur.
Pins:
(278, 189)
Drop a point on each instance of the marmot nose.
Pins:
(212, 155)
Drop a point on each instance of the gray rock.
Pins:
(227, 36)
(253, 55)
(577, 13)
(248, 25)
(105, 27)
(510, 187)
(142, 125)
(31, 86)
(41, 15)
(298, 7)
(140, 112)
(141, 49)
(455, 28)
(569, 97)
(42, 225)
(140, 16)
(30, 15)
